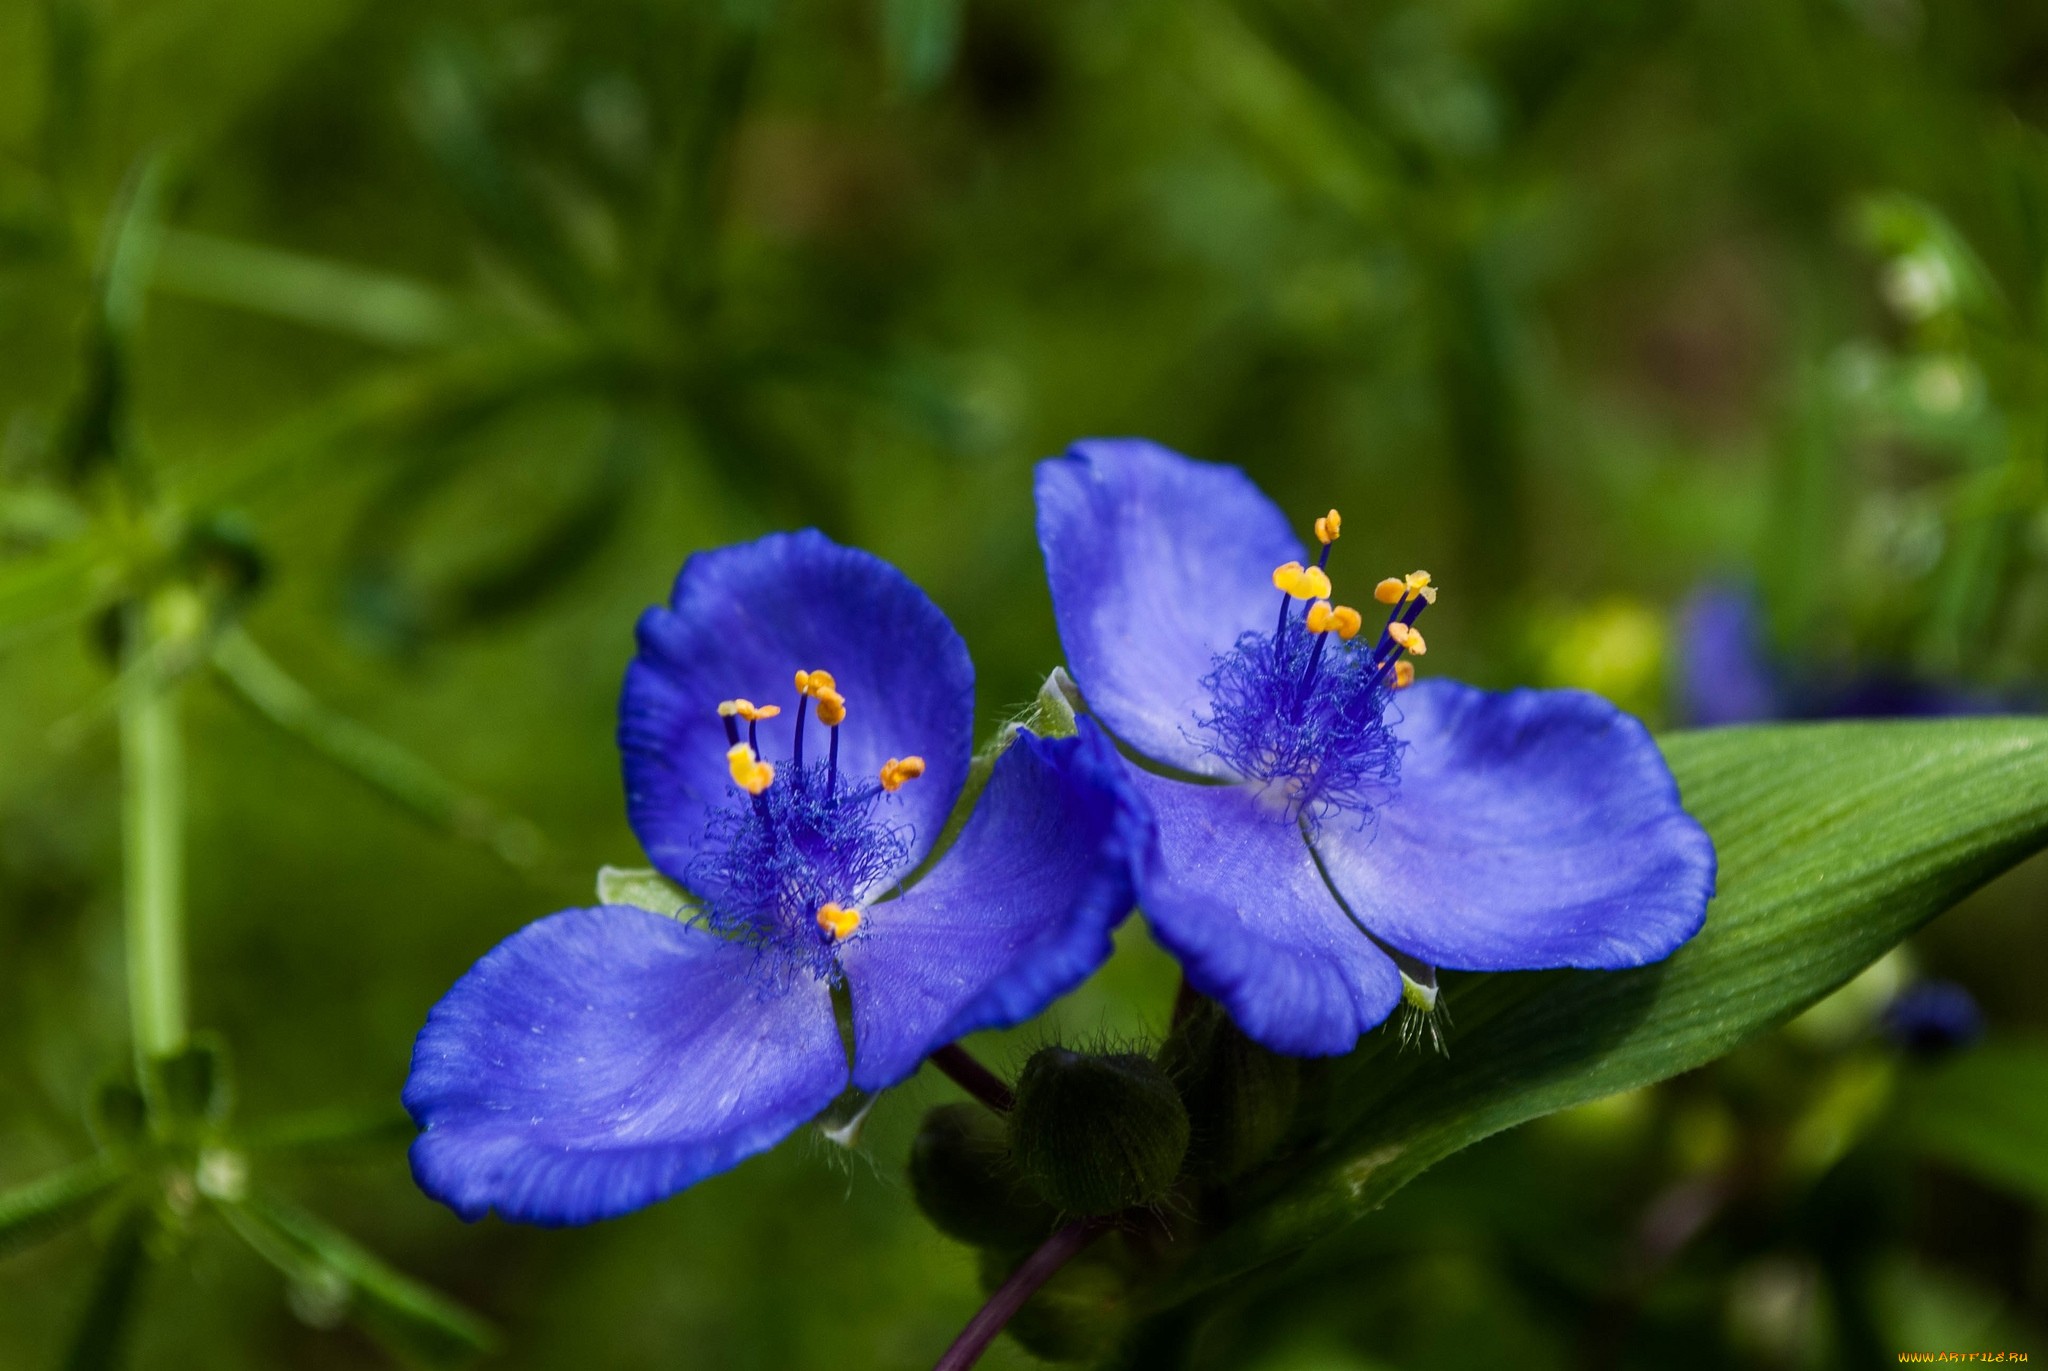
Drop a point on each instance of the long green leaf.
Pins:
(1835, 842)
(47, 1205)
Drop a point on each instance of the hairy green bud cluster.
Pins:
(1098, 1134)
(967, 1183)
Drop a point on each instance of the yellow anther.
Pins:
(1303, 583)
(831, 707)
(1404, 674)
(1407, 637)
(1342, 620)
(1329, 526)
(1396, 589)
(749, 772)
(897, 770)
(728, 708)
(838, 921)
(815, 683)
(748, 710)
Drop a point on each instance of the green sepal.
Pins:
(1097, 1134)
(332, 1275)
(49, 1204)
(968, 1184)
(644, 888)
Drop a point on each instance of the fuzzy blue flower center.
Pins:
(784, 863)
(1302, 711)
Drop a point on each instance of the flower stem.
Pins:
(1038, 1268)
(976, 1079)
(152, 841)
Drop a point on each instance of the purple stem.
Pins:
(976, 1079)
(1038, 1268)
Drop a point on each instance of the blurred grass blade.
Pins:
(386, 767)
(375, 306)
(389, 1304)
(1835, 842)
(100, 1344)
(49, 1204)
(1986, 1112)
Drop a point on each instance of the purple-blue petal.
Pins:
(1725, 674)
(602, 1059)
(1532, 829)
(1016, 913)
(742, 622)
(1231, 889)
(1157, 563)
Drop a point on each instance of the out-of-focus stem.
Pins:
(153, 843)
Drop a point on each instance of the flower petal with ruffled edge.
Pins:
(742, 622)
(1157, 563)
(1532, 829)
(1016, 913)
(601, 1059)
(1232, 891)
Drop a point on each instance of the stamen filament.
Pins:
(796, 760)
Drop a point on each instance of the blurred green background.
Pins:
(421, 342)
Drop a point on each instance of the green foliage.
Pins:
(1987, 1113)
(331, 1272)
(49, 1204)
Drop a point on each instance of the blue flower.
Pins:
(1728, 675)
(1325, 838)
(1933, 1019)
(601, 1059)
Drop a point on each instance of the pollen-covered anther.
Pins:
(897, 770)
(837, 921)
(1303, 583)
(815, 684)
(1342, 620)
(831, 707)
(748, 710)
(1409, 639)
(749, 772)
(1328, 527)
(1400, 589)
(1404, 675)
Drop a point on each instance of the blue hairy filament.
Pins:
(1306, 720)
(765, 868)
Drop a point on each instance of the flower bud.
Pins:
(1097, 1134)
(1073, 1317)
(967, 1184)
(1240, 1098)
